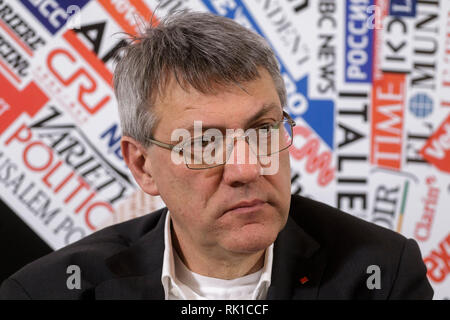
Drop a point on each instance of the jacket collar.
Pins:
(138, 269)
(298, 265)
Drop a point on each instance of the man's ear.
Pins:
(138, 161)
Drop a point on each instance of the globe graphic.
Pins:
(421, 105)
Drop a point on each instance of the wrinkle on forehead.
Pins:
(171, 83)
(179, 102)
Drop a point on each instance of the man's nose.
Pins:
(243, 165)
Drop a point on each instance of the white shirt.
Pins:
(180, 283)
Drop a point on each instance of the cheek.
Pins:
(184, 190)
(282, 183)
(284, 175)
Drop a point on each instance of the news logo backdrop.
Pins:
(368, 84)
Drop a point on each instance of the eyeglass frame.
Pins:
(177, 148)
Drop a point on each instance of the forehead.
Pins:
(227, 107)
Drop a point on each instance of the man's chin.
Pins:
(251, 238)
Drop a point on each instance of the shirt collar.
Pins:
(168, 268)
(169, 280)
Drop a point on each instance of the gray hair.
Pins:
(198, 50)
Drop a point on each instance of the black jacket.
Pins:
(322, 253)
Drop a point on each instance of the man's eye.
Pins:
(266, 128)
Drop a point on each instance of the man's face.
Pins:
(200, 200)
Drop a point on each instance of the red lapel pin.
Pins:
(304, 280)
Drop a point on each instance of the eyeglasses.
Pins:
(212, 150)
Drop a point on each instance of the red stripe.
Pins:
(12, 74)
(16, 39)
(141, 8)
(89, 56)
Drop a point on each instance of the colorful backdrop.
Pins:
(368, 83)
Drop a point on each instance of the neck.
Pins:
(215, 264)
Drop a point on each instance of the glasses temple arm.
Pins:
(165, 145)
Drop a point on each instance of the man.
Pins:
(201, 106)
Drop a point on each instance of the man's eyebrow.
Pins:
(266, 109)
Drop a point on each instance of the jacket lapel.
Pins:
(137, 269)
(298, 265)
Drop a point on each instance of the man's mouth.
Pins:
(246, 206)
